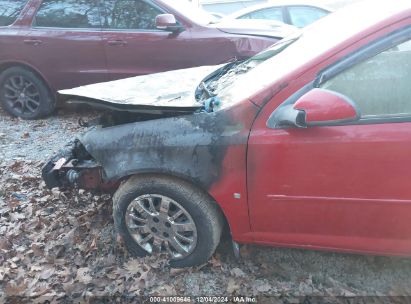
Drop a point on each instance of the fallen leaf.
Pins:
(46, 273)
(215, 261)
(14, 289)
(232, 286)
(5, 244)
(237, 272)
(177, 271)
(35, 268)
(262, 286)
(83, 275)
(134, 266)
(3, 272)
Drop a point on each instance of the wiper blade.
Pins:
(204, 90)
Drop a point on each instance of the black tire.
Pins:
(24, 94)
(202, 209)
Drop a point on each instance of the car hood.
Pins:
(267, 28)
(172, 91)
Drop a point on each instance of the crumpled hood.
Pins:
(173, 90)
(267, 28)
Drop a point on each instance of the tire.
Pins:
(23, 94)
(201, 209)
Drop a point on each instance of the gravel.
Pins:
(36, 140)
(263, 270)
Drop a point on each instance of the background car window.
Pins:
(272, 13)
(69, 14)
(10, 10)
(129, 14)
(380, 86)
(304, 15)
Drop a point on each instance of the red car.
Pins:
(50, 45)
(304, 145)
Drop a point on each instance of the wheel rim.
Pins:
(22, 95)
(159, 224)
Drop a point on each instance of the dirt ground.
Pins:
(59, 246)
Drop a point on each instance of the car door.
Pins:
(301, 16)
(343, 186)
(64, 43)
(133, 44)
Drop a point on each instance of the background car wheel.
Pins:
(163, 214)
(24, 94)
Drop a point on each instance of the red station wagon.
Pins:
(304, 145)
(58, 44)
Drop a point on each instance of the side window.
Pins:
(10, 10)
(129, 14)
(381, 85)
(302, 16)
(68, 14)
(272, 13)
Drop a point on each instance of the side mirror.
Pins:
(167, 22)
(315, 108)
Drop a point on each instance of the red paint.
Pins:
(67, 58)
(325, 106)
(342, 188)
(233, 180)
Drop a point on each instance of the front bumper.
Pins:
(73, 167)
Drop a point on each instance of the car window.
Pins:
(10, 10)
(130, 14)
(302, 16)
(69, 14)
(271, 13)
(380, 86)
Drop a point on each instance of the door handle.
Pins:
(117, 42)
(33, 41)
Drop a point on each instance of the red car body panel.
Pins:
(231, 190)
(67, 58)
(333, 187)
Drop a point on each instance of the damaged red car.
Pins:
(304, 145)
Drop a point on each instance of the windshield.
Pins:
(226, 75)
(191, 12)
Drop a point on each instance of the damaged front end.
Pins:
(151, 127)
(126, 101)
(72, 167)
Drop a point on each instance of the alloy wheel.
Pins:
(160, 224)
(21, 94)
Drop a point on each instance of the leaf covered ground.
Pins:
(60, 246)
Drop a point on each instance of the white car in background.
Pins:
(296, 13)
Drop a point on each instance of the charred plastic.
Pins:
(186, 142)
(73, 166)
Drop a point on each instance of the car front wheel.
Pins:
(24, 94)
(162, 214)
